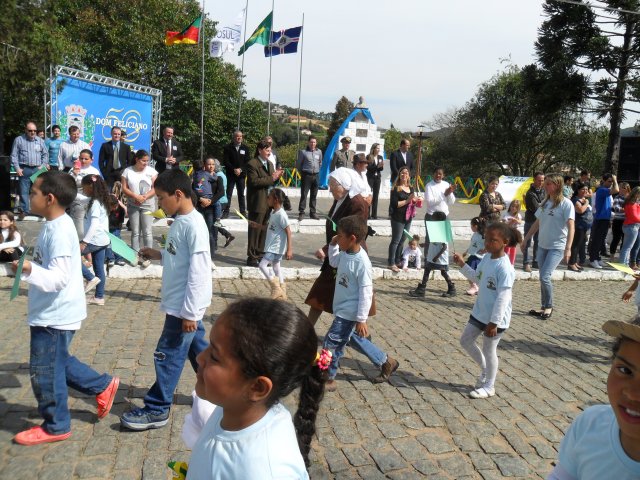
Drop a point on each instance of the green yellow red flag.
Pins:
(189, 35)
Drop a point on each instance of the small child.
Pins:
(260, 351)
(604, 440)
(56, 310)
(186, 294)
(277, 243)
(208, 190)
(95, 240)
(475, 252)
(437, 259)
(491, 312)
(10, 239)
(512, 218)
(117, 214)
(412, 255)
(352, 301)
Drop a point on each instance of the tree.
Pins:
(343, 108)
(601, 38)
(392, 139)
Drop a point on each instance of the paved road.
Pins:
(421, 425)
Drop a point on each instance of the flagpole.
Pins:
(300, 77)
(246, 14)
(202, 91)
(270, 62)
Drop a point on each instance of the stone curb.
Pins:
(253, 273)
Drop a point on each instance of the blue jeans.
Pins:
(525, 254)
(52, 369)
(630, 243)
(339, 334)
(97, 259)
(110, 255)
(209, 214)
(173, 349)
(397, 241)
(24, 186)
(548, 260)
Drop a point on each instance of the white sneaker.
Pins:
(482, 392)
(95, 301)
(595, 264)
(602, 265)
(91, 284)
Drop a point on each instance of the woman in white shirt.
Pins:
(137, 185)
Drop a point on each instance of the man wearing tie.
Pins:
(166, 152)
(114, 157)
(235, 157)
(401, 158)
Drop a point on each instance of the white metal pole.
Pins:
(300, 77)
(246, 14)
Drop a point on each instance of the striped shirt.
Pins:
(31, 153)
(70, 152)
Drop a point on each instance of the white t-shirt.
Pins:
(140, 183)
(434, 198)
(96, 225)
(591, 449)
(58, 238)
(552, 234)
(434, 249)
(6, 243)
(493, 275)
(276, 241)
(268, 449)
(354, 272)
(187, 236)
(475, 245)
(411, 258)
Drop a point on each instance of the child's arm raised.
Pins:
(626, 296)
(465, 269)
(51, 279)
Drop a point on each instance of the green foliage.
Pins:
(392, 139)
(287, 155)
(343, 108)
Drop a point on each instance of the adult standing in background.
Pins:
(344, 156)
(375, 166)
(235, 157)
(402, 158)
(166, 152)
(260, 179)
(532, 200)
(53, 145)
(492, 205)
(70, 150)
(402, 196)
(27, 155)
(601, 218)
(114, 157)
(308, 164)
(273, 158)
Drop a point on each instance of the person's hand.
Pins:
(9, 250)
(253, 224)
(320, 254)
(150, 253)
(406, 269)
(289, 255)
(334, 240)
(523, 246)
(614, 178)
(26, 266)
(189, 326)
(368, 199)
(277, 174)
(237, 171)
(458, 260)
(19, 172)
(567, 255)
(626, 296)
(491, 330)
(362, 329)
(205, 202)
(83, 245)
(451, 189)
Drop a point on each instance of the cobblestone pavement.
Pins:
(421, 425)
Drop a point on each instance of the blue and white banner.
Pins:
(95, 108)
(283, 41)
(227, 38)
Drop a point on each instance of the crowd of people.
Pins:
(260, 350)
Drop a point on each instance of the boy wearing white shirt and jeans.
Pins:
(186, 294)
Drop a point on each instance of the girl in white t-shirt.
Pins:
(491, 313)
(278, 242)
(96, 239)
(260, 351)
(10, 239)
(512, 218)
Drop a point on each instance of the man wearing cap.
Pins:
(344, 156)
(308, 164)
(27, 155)
(402, 158)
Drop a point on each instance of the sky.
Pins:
(409, 59)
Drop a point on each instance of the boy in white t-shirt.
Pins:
(56, 310)
(186, 294)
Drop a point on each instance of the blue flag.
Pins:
(283, 41)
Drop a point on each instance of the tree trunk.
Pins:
(616, 110)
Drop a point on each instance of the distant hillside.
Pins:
(284, 110)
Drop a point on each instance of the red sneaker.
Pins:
(105, 399)
(38, 435)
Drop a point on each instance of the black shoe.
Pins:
(225, 214)
(451, 292)
(419, 291)
(300, 216)
(534, 264)
(313, 216)
(244, 214)
(371, 232)
(230, 239)
(546, 315)
(252, 262)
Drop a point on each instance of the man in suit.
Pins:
(260, 178)
(235, 157)
(166, 152)
(344, 156)
(114, 157)
(401, 158)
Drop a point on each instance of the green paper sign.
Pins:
(122, 249)
(16, 282)
(439, 232)
(37, 173)
(409, 236)
(335, 227)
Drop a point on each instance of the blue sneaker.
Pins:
(144, 419)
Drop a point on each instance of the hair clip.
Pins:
(323, 359)
(94, 178)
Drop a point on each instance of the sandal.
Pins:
(573, 268)
(546, 315)
(535, 313)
